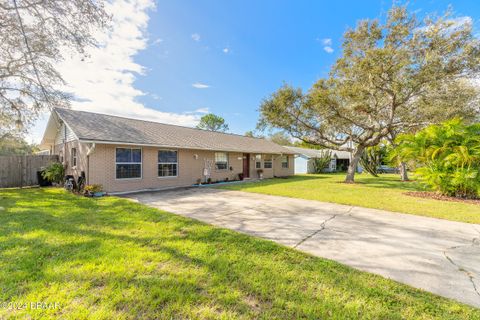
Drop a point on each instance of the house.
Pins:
(125, 155)
(305, 158)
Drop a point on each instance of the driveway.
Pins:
(439, 256)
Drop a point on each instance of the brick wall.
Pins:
(100, 167)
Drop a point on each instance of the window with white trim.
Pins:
(167, 163)
(128, 163)
(284, 161)
(258, 161)
(221, 160)
(73, 155)
(267, 161)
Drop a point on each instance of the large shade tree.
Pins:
(34, 35)
(394, 76)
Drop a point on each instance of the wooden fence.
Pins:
(21, 171)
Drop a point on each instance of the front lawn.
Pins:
(112, 258)
(386, 192)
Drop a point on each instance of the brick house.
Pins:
(125, 155)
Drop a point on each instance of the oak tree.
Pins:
(34, 35)
(393, 76)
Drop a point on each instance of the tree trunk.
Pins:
(403, 171)
(352, 167)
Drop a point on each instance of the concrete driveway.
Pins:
(439, 256)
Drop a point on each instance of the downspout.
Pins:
(89, 152)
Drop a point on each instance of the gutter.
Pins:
(89, 152)
(180, 147)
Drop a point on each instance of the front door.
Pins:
(246, 165)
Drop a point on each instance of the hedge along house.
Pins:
(125, 155)
(305, 158)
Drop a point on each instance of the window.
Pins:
(267, 161)
(258, 161)
(284, 161)
(74, 157)
(128, 163)
(221, 160)
(167, 163)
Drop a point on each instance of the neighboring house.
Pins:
(126, 155)
(305, 158)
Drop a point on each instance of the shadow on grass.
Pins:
(389, 182)
(110, 243)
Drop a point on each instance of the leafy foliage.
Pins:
(54, 172)
(212, 122)
(34, 36)
(281, 138)
(322, 162)
(372, 158)
(392, 77)
(11, 144)
(93, 188)
(447, 157)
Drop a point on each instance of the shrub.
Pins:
(54, 173)
(446, 157)
(92, 188)
(322, 162)
(372, 158)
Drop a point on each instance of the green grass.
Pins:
(112, 258)
(386, 192)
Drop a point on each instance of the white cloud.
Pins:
(327, 41)
(200, 85)
(328, 49)
(196, 37)
(155, 96)
(202, 110)
(157, 41)
(104, 82)
(461, 21)
(226, 50)
(454, 24)
(327, 44)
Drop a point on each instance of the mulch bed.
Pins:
(436, 196)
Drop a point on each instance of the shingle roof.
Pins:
(313, 153)
(90, 126)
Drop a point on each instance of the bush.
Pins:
(54, 173)
(92, 188)
(446, 157)
(372, 158)
(321, 163)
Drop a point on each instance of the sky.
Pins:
(174, 61)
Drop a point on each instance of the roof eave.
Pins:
(177, 147)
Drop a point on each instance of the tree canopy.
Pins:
(393, 76)
(281, 138)
(34, 36)
(212, 122)
(11, 144)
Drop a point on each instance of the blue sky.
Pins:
(172, 61)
